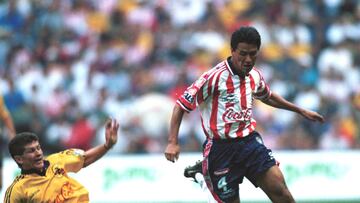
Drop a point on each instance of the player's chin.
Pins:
(248, 68)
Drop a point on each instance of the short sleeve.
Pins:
(73, 159)
(262, 89)
(194, 94)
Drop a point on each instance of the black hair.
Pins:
(246, 34)
(17, 144)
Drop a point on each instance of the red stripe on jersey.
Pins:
(215, 107)
(243, 103)
(210, 77)
(230, 90)
(243, 94)
(252, 83)
(200, 96)
(252, 126)
(212, 74)
(239, 132)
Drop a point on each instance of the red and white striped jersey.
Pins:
(225, 101)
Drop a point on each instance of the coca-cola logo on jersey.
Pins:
(231, 116)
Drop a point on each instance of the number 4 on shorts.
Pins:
(222, 184)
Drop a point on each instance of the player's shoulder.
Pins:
(17, 182)
(66, 153)
(221, 66)
(15, 189)
(70, 152)
(255, 73)
(255, 70)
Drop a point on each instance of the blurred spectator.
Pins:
(81, 134)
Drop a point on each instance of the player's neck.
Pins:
(233, 69)
(40, 172)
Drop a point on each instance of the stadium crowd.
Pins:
(67, 65)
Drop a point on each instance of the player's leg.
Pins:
(264, 172)
(221, 169)
(272, 182)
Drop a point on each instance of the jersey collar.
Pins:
(229, 65)
(231, 68)
(41, 173)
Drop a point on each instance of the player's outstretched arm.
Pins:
(172, 150)
(111, 131)
(277, 101)
(7, 119)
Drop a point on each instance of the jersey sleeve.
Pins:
(262, 90)
(195, 94)
(73, 159)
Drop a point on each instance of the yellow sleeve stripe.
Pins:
(9, 190)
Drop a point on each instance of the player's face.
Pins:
(244, 57)
(32, 158)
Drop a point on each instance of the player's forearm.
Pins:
(277, 101)
(95, 154)
(175, 122)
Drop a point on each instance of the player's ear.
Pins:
(18, 159)
(233, 51)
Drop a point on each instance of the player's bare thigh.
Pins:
(272, 182)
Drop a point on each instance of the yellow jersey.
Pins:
(53, 185)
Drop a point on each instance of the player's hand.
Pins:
(111, 131)
(172, 152)
(313, 116)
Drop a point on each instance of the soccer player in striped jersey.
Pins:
(233, 149)
(47, 180)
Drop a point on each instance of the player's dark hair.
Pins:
(17, 144)
(247, 35)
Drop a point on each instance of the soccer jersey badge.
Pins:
(58, 171)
